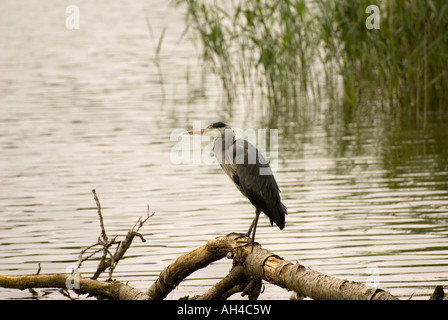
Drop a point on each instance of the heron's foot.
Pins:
(243, 236)
(244, 240)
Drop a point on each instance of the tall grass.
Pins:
(156, 59)
(403, 65)
(259, 47)
(277, 49)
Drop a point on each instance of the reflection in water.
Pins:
(83, 109)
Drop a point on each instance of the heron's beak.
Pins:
(200, 132)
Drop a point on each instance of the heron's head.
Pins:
(215, 129)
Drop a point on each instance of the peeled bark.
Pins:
(311, 283)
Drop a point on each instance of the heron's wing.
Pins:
(250, 172)
(257, 182)
(252, 160)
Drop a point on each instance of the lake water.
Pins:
(85, 109)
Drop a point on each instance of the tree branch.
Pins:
(104, 289)
(98, 206)
(186, 264)
(307, 282)
(227, 286)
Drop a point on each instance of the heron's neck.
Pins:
(227, 137)
(224, 141)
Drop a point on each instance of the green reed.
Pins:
(281, 50)
(259, 47)
(403, 65)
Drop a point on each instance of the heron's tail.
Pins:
(283, 213)
(279, 215)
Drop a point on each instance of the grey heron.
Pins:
(250, 172)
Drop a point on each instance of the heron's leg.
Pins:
(251, 226)
(254, 225)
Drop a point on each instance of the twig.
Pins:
(103, 241)
(98, 205)
(80, 257)
(109, 260)
(104, 262)
(126, 243)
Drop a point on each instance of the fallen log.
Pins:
(307, 282)
(253, 264)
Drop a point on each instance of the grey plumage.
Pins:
(251, 173)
